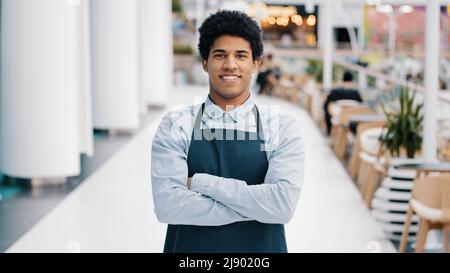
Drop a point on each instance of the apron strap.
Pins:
(198, 119)
(259, 129)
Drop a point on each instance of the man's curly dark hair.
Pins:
(234, 23)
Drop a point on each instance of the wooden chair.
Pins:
(310, 89)
(288, 89)
(353, 165)
(317, 109)
(343, 129)
(431, 202)
(372, 158)
(335, 109)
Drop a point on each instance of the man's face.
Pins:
(230, 66)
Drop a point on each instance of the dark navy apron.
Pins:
(240, 158)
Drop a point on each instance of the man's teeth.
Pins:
(231, 78)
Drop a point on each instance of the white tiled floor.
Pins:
(112, 211)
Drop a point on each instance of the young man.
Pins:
(226, 175)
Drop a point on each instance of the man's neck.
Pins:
(228, 104)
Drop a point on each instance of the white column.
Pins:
(326, 18)
(155, 52)
(445, 28)
(362, 30)
(39, 110)
(392, 27)
(432, 31)
(85, 84)
(114, 51)
(320, 26)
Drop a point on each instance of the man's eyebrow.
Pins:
(218, 50)
(224, 51)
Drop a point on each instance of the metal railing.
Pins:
(390, 80)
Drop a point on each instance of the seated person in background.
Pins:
(268, 75)
(345, 92)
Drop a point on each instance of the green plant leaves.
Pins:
(404, 127)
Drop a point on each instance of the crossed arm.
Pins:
(213, 200)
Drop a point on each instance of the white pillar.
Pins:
(320, 26)
(39, 110)
(85, 84)
(155, 52)
(392, 27)
(114, 51)
(432, 31)
(326, 18)
(362, 29)
(445, 28)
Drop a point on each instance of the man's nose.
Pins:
(230, 63)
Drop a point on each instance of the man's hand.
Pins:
(189, 183)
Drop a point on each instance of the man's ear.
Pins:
(256, 65)
(205, 65)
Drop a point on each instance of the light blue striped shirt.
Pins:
(214, 200)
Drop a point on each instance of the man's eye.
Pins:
(219, 56)
(241, 56)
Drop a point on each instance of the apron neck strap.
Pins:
(198, 118)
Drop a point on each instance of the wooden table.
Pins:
(357, 119)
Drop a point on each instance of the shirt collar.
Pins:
(214, 112)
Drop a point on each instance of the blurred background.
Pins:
(84, 84)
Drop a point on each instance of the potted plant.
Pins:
(404, 126)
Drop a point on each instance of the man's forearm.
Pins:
(180, 206)
(268, 203)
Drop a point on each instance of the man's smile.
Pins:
(229, 78)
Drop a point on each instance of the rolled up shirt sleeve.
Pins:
(273, 201)
(174, 203)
